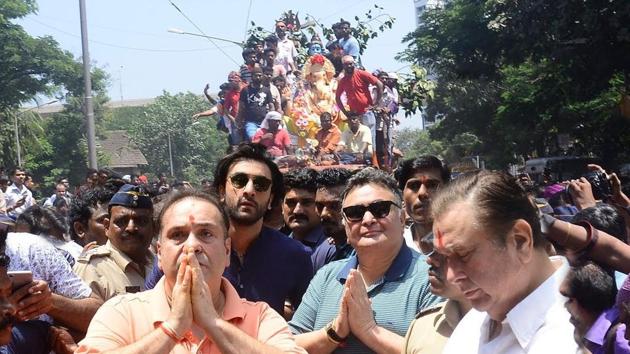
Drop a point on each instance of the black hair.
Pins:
(90, 172)
(591, 287)
(279, 78)
(254, 152)
(325, 115)
(272, 39)
(248, 52)
(82, 206)
(41, 221)
(344, 22)
(333, 177)
(182, 194)
(409, 167)
(372, 175)
(301, 178)
(269, 49)
(15, 169)
(605, 218)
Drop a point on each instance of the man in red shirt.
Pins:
(356, 84)
(272, 136)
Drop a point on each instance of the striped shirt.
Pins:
(396, 298)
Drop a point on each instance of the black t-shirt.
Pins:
(256, 103)
(336, 62)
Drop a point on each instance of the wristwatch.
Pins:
(332, 335)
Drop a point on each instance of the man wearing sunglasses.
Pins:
(419, 178)
(366, 303)
(265, 265)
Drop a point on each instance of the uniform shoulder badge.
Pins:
(99, 251)
(430, 310)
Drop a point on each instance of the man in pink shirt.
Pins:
(272, 136)
(192, 309)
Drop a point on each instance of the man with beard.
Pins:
(122, 264)
(330, 184)
(265, 265)
(298, 207)
(419, 178)
(432, 327)
(254, 103)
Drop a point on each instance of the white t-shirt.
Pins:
(13, 194)
(539, 324)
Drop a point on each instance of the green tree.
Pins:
(196, 145)
(416, 142)
(519, 74)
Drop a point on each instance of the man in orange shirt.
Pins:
(328, 136)
(192, 308)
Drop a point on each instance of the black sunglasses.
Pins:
(378, 209)
(240, 180)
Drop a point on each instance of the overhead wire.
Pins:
(201, 31)
(249, 10)
(121, 46)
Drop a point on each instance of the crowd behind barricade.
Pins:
(325, 111)
(254, 260)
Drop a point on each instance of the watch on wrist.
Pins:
(332, 335)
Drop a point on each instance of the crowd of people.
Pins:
(336, 260)
(323, 109)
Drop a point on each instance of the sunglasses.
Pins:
(240, 180)
(378, 209)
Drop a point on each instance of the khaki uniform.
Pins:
(432, 327)
(110, 272)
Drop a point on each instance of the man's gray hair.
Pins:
(374, 176)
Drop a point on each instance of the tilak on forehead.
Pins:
(191, 219)
(440, 238)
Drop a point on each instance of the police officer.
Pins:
(121, 265)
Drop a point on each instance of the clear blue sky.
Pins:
(129, 39)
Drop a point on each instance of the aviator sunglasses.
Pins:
(378, 209)
(240, 180)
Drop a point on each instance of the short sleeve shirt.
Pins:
(350, 46)
(328, 139)
(354, 141)
(126, 319)
(31, 252)
(396, 298)
(255, 102)
(13, 194)
(109, 272)
(276, 146)
(357, 89)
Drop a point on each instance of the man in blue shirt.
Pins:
(365, 304)
(298, 208)
(349, 44)
(330, 185)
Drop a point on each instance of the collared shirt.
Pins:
(277, 145)
(357, 89)
(408, 236)
(537, 324)
(431, 329)
(328, 139)
(286, 53)
(354, 141)
(110, 272)
(32, 252)
(313, 239)
(274, 268)
(326, 253)
(596, 335)
(402, 292)
(350, 46)
(126, 319)
(13, 194)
